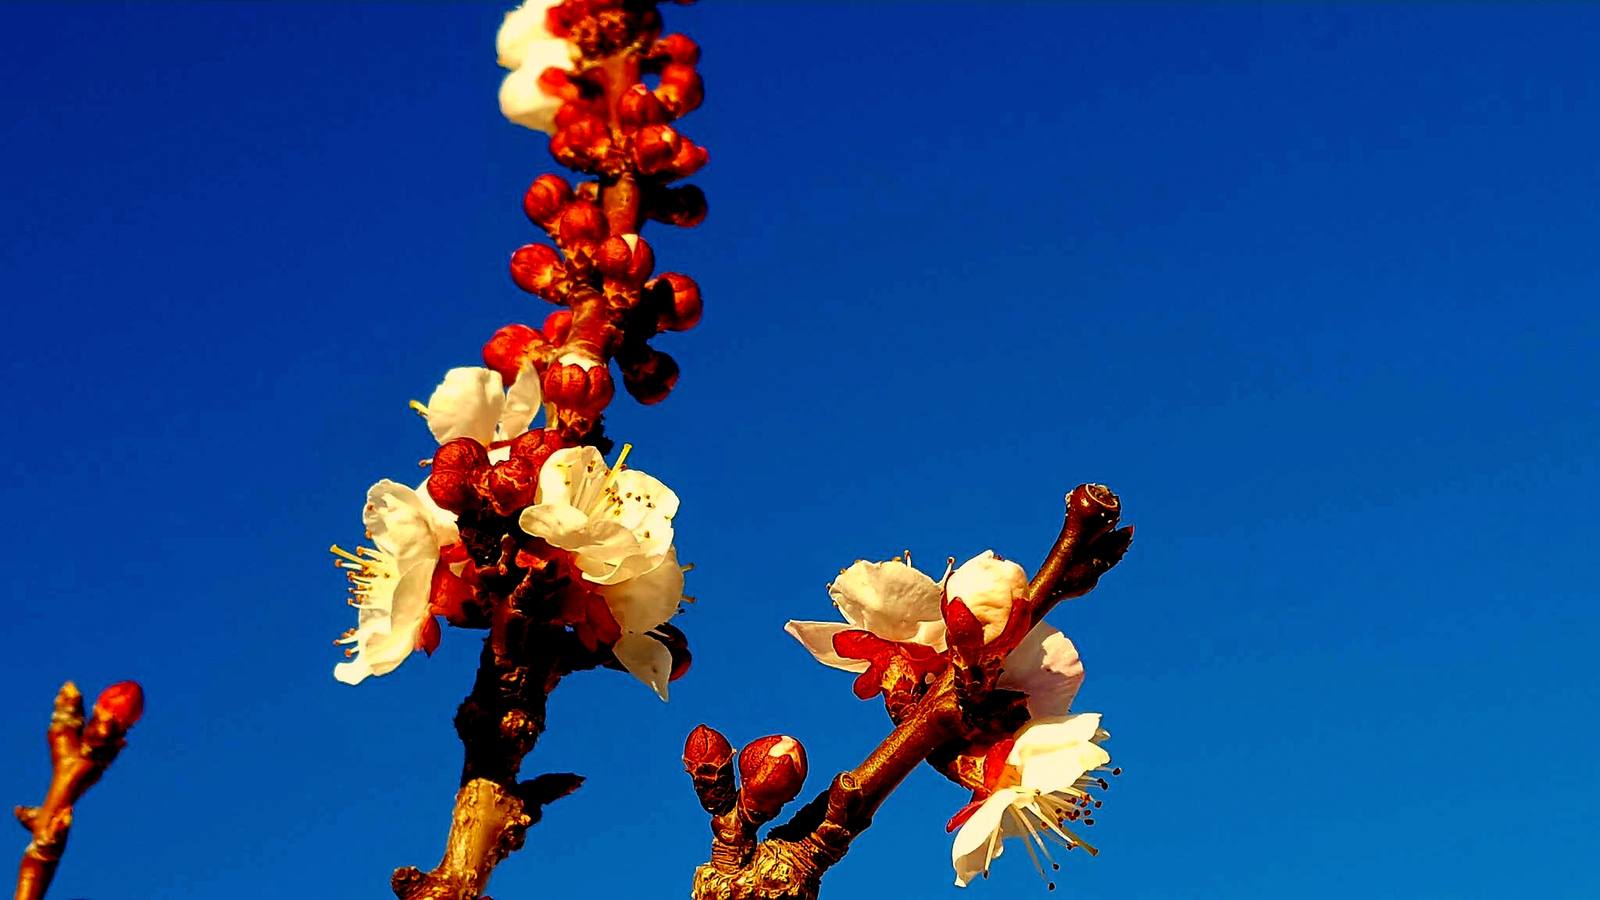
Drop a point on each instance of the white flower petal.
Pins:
(466, 404)
(381, 650)
(1047, 735)
(970, 852)
(572, 476)
(522, 403)
(522, 28)
(557, 523)
(1060, 769)
(445, 531)
(1046, 667)
(889, 599)
(647, 659)
(645, 601)
(525, 103)
(400, 524)
(817, 638)
(988, 585)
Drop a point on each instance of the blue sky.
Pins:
(1313, 287)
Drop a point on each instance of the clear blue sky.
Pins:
(1314, 288)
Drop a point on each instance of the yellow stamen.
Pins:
(612, 475)
(419, 409)
(337, 550)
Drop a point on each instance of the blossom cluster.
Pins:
(1035, 765)
(515, 520)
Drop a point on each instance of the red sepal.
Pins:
(428, 638)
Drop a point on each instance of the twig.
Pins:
(79, 754)
(790, 862)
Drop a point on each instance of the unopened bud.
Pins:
(689, 159)
(639, 107)
(650, 376)
(538, 269)
(677, 299)
(557, 325)
(988, 586)
(462, 454)
(583, 390)
(680, 48)
(681, 90)
(545, 197)
(655, 146)
(122, 703)
(625, 258)
(771, 772)
(706, 750)
(535, 446)
(509, 349)
(453, 490)
(682, 206)
(582, 223)
(509, 486)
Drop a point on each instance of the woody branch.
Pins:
(605, 123)
(960, 707)
(80, 752)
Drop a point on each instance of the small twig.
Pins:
(790, 863)
(79, 754)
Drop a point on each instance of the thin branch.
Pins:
(79, 754)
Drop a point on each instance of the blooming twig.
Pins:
(941, 721)
(79, 753)
(567, 562)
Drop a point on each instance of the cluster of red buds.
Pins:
(615, 128)
(772, 770)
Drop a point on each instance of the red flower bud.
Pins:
(538, 269)
(122, 703)
(582, 223)
(678, 301)
(682, 90)
(655, 146)
(453, 490)
(535, 446)
(545, 197)
(557, 325)
(508, 486)
(689, 159)
(680, 48)
(650, 376)
(461, 454)
(509, 348)
(682, 206)
(771, 772)
(625, 258)
(640, 107)
(583, 391)
(706, 749)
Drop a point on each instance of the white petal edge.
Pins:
(647, 659)
(817, 638)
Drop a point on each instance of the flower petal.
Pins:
(524, 102)
(399, 524)
(522, 29)
(889, 599)
(988, 585)
(647, 659)
(1046, 667)
(466, 403)
(817, 638)
(380, 652)
(522, 403)
(970, 853)
(572, 477)
(643, 602)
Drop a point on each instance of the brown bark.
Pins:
(79, 754)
